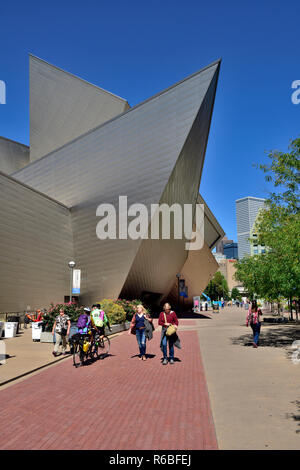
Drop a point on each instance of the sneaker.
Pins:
(255, 345)
(54, 353)
(171, 361)
(165, 362)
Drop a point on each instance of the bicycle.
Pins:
(82, 349)
(101, 346)
(82, 352)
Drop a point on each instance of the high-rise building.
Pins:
(230, 250)
(247, 209)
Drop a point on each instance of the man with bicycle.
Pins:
(99, 320)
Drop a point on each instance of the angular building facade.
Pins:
(87, 147)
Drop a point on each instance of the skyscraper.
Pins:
(246, 212)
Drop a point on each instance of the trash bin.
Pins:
(14, 319)
(10, 329)
(36, 331)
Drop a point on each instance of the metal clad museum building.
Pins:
(88, 147)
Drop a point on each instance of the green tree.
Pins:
(217, 287)
(276, 273)
(235, 294)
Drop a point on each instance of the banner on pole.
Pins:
(76, 281)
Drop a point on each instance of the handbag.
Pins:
(171, 330)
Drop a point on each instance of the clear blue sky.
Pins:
(135, 49)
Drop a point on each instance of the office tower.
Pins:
(246, 212)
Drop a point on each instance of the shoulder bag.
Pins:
(171, 330)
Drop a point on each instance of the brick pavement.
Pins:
(118, 403)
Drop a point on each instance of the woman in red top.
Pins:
(167, 318)
(253, 318)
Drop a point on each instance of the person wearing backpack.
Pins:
(99, 319)
(253, 319)
(84, 321)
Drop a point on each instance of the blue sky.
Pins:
(135, 49)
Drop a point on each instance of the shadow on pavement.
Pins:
(148, 356)
(295, 417)
(279, 337)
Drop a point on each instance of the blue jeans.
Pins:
(171, 347)
(141, 339)
(256, 331)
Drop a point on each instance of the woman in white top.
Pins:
(138, 328)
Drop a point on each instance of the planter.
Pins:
(117, 328)
(46, 337)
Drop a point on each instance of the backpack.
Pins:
(83, 321)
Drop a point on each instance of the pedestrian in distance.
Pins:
(167, 319)
(142, 326)
(61, 327)
(253, 319)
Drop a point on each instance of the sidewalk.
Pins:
(228, 396)
(116, 403)
(254, 393)
(24, 355)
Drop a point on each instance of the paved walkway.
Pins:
(24, 355)
(254, 393)
(116, 403)
(228, 396)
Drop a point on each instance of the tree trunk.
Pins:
(291, 309)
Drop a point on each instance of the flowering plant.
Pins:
(70, 309)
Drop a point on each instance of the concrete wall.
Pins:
(13, 155)
(35, 247)
(228, 269)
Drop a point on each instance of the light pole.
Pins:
(71, 265)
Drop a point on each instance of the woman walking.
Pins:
(139, 326)
(166, 319)
(253, 318)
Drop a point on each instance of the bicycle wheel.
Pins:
(102, 346)
(78, 355)
(93, 351)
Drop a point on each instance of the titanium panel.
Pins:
(212, 229)
(134, 155)
(13, 155)
(158, 261)
(35, 247)
(63, 107)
